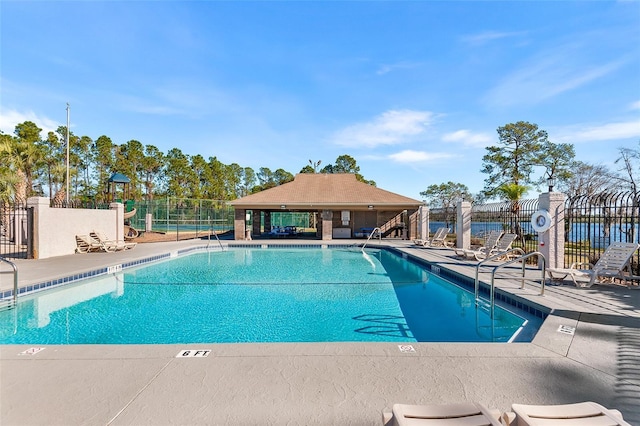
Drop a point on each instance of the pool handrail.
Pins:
(375, 231)
(494, 257)
(522, 259)
(15, 278)
(219, 242)
(524, 264)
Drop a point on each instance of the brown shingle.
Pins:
(324, 191)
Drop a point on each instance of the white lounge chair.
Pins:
(582, 413)
(111, 244)
(86, 244)
(504, 244)
(501, 247)
(611, 264)
(471, 414)
(490, 243)
(437, 236)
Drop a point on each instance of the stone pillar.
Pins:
(239, 223)
(423, 222)
(119, 208)
(463, 225)
(327, 224)
(38, 204)
(551, 242)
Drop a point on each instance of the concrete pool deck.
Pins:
(325, 383)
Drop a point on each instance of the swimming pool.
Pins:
(261, 295)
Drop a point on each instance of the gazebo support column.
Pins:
(256, 222)
(239, 224)
(267, 221)
(327, 224)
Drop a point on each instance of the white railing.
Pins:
(375, 232)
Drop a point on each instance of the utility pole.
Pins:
(67, 192)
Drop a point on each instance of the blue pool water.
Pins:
(260, 295)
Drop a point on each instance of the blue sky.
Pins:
(414, 91)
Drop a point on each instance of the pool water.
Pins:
(260, 295)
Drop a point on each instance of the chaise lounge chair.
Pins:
(88, 244)
(610, 265)
(582, 413)
(470, 414)
(438, 239)
(111, 244)
(504, 244)
(425, 242)
(502, 247)
(490, 243)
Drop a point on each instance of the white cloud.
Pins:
(602, 132)
(546, 76)
(635, 105)
(469, 139)
(487, 36)
(387, 68)
(410, 156)
(389, 128)
(9, 119)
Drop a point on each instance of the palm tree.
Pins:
(23, 156)
(58, 181)
(514, 192)
(8, 181)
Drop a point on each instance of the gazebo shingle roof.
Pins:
(310, 190)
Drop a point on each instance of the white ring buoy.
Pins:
(541, 221)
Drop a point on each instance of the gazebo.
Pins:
(344, 205)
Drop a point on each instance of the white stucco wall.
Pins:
(55, 229)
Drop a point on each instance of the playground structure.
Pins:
(118, 189)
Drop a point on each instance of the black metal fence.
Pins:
(442, 217)
(507, 216)
(77, 204)
(593, 222)
(16, 223)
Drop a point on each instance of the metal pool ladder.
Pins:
(219, 242)
(522, 259)
(376, 231)
(15, 279)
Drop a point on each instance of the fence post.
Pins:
(119, 225)
(551, 242)
(30, 234)
(39, 205)
(423, 224)
(463, 225)
(148, 222)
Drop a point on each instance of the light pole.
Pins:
(551, 181)
(315, 165)
(67, 194)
